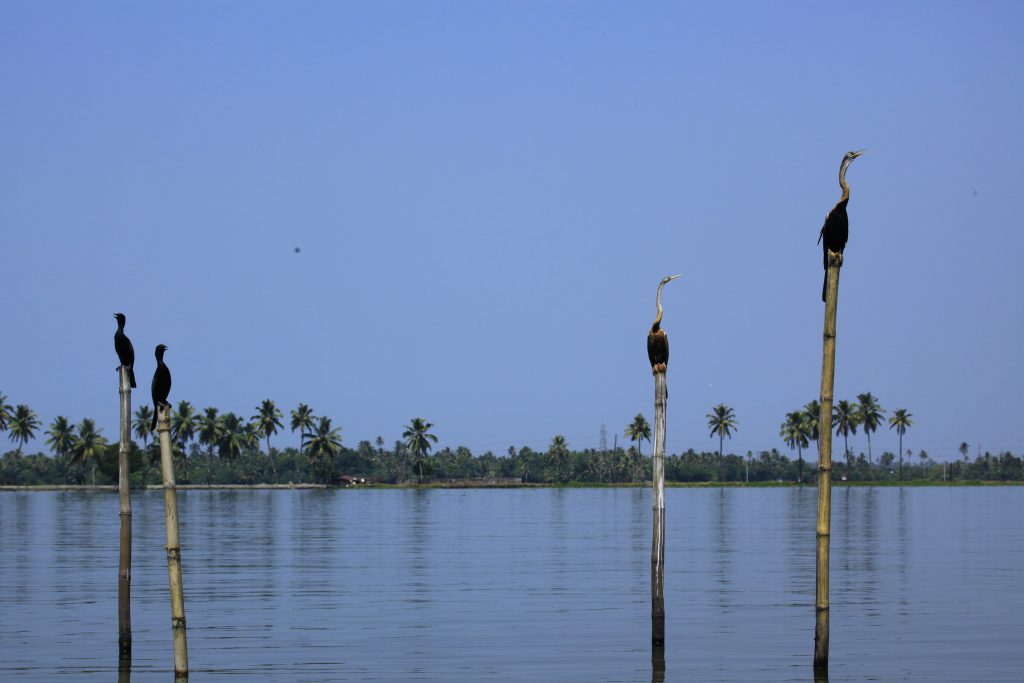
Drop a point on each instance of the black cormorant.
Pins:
(161, 386)
(124, 348)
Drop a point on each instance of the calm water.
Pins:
(518, 585)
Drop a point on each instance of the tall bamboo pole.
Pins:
(124, 573)
(658, 489)
(828, 372)
(163, 428)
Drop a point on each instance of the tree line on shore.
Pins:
(211, 447)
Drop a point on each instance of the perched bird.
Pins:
(836, 229)
(657, 340)
(124, 348)
(161, 386)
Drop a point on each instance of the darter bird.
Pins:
(161, 386)
(836, 229)
(657, 340)
(124, 348)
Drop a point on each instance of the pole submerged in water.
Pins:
(173, 544)
(823, 531)
(658, 500)
(124, 573)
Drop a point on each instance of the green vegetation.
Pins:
(211, 447)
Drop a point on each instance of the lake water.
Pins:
(518, 585)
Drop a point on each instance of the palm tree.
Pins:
(183, 430)
(22, 425)
(722, 421)
(302, 420)
(871, 416)
(558, 451)
(813, 412)
(638, 430)
(143, 417)
(418, 439)
(89, 446)
(324, 443)
(901, 419)
(210, 433)
(845, 417)
(61, 436)
(964, 450)
(796, 432)
(267, 421)
(232, 436)
(5, 412)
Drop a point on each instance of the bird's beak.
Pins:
(858, 153)
(673, 277)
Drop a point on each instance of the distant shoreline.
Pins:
(505, 485)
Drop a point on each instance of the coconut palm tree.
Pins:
(323, 444)
(964, 450)
(89, 446)
(418, 439)
(871, 416)
(60, 436)
(558, 451)
(846, 418)
(267, 421)
(232, 436)
(22, 425)
(638, 430)
(143, 418)
(210, 433)
(183, 430)
(302, 421)
(722, 421)
(796, 432)
(901, 419)
(5, 412)
(812, 411)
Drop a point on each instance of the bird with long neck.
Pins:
(161, 386)
(124, 348)
(657, 340)
(836, 229)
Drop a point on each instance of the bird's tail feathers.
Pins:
(131, 377)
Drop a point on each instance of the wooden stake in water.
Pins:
(124, 574)
(658, 496)
(828, 371)
(163, 428)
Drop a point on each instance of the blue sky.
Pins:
(486, 195)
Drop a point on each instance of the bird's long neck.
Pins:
(657, 321)
(842, 180)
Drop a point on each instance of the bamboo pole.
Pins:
(828, 371)
(658, 490)
(124, 573)
(163, 428)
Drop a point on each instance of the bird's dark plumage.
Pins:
(836, 229)
(124, 348)
(161, 387)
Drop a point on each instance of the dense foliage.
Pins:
(223, 448)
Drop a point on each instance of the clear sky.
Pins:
(486, 195)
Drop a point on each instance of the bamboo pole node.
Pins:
(177, 622)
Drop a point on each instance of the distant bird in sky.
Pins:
(297, 250)
(161, 387)
(657, 340)
(836, 229)
(124, 348)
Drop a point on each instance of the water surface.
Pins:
(518, 585)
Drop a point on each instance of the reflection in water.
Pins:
(657, 664)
